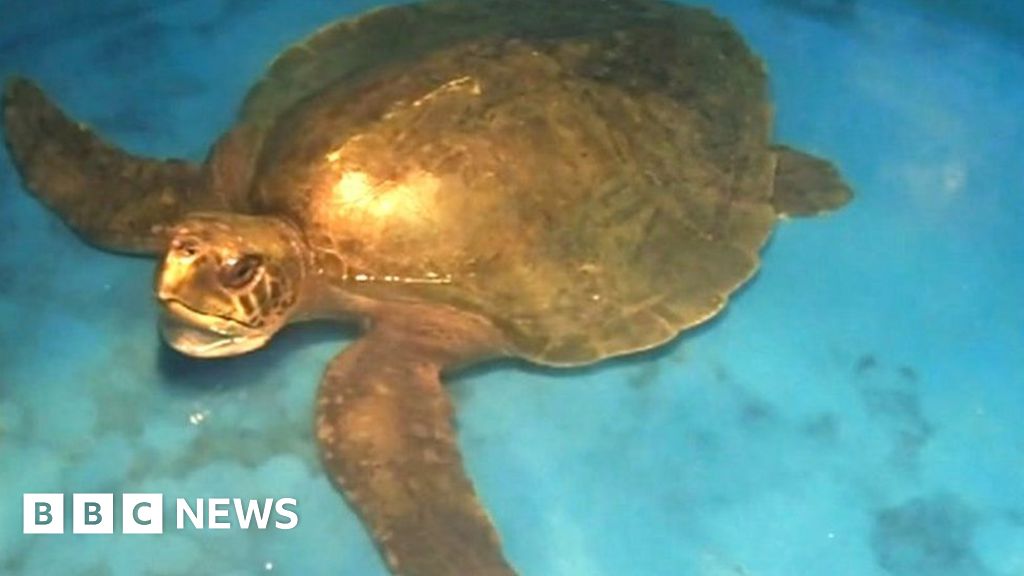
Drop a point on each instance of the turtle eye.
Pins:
(187, 247)
(240, 271)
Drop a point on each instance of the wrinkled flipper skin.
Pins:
(806, 185)
(112, 199)
(384, 423)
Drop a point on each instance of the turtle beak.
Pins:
(202, 336)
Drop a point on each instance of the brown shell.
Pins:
(592, 176)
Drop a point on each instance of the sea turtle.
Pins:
(560, 181)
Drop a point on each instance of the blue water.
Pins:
(857, 411)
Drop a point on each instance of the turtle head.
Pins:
(229, 282)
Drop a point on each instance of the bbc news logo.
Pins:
(144, 513)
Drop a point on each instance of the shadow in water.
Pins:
(927, 535)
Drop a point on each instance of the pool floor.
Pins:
(855, 412)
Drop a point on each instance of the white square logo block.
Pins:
(92, 514)
(142, 513)
(43, 513)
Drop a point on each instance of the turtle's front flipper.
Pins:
(384, 424)
(806, 185)
(112, 199)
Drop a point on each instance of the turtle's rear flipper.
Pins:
(112, 199)
(806, 185)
